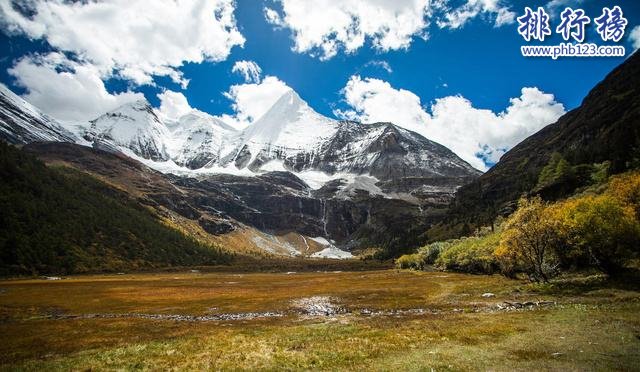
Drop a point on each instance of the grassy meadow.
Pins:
(367, 320)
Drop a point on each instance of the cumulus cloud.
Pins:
(173, 105)
(634, 37)
(252, 100)
(66, 90)
(136, 39)
(249, 70)
(325, 27)
(478, 136)
(373, 100)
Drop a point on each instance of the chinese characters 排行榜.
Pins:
(534, 25)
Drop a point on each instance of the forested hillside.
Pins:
(58, 220)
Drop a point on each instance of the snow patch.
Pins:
(331, 251)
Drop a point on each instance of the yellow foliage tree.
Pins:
(626, 189)
(602, 228)
(528, 240)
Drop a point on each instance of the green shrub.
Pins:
(410, 261)
(471, 255)
(431, 252)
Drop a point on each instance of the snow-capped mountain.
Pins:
(293, 170)
(133, 126)
(386, 151)
(290, 136)
(197, 139)
(21, 122)
(289, 130)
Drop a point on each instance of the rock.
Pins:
(215, 226)
(488, 295)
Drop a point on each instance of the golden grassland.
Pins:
(595, 324)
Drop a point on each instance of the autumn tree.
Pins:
(528, 241)
(601, 229)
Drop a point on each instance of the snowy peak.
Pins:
(290, 123)
(292, 136)
(289, 129)
(21, 122)
(288, 107)
(197, 139)
(134, 126)
(198, 120)
(138, 112)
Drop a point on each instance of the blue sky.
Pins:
(478, 61)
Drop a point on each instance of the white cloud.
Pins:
(473, 134)
(556, 6)
(66, 90)
(504, 17)
(252, 100)
(173, 105)
(382, 64)
(273, 17)
(374, 100)
(249, 70)
(458, 17)
(634, 37)
(135, 38)
(325, 27)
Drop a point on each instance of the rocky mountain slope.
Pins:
(604, 128)
(275, 212)
(20, 122)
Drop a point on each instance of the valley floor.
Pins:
(371, 320)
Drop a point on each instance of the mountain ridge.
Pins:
(21, 122)
(297, 172)
(290, 135)
(604, 128)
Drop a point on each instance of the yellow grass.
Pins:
(595, 328)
